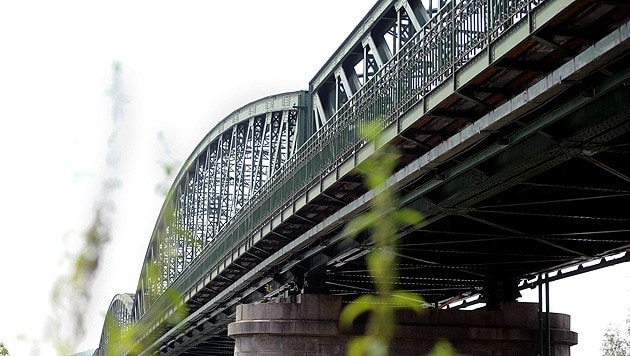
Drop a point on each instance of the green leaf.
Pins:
(443, 348)
(367, 345)
(357, 346)
(406, 216)
(409, 300)
(360, 224)
(358, 306)
(371, 131)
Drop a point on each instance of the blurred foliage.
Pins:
(443, 348)
(383, 221)
(3, 350)
(616, 342)
(71, 293)
(123, 339)
(168, 166)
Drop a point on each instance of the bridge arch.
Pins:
(227, 167)
(118, 320)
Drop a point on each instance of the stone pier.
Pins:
(307, 324)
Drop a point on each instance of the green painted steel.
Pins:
(453, 47)
(402, 83)
(451, 40)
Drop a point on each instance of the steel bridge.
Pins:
(512, 118)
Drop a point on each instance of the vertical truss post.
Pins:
(544, 317)
(547, 319)
(398, 28)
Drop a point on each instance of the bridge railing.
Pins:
(449, 41)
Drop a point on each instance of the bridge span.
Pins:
(512, 118)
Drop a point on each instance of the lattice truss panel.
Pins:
(411, 47)
(118, 321)
(228, 167)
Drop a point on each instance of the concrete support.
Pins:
(308, 325)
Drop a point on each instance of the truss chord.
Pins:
(554, 201)
(574, 187)
(579, 217)
(608, 169)
(483, 253)
(434, 263)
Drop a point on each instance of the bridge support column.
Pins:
(308, 325)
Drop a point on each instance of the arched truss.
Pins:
(225, 170)
(118, 321)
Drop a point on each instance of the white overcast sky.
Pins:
(185, 66)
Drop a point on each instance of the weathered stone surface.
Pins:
(308, 325)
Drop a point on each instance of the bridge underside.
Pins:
(557, 197)
(543, 186)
